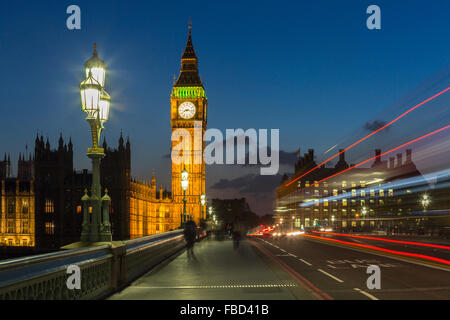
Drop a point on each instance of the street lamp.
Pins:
(425, 202)
(184, 186)
(95, 102)
(203, 203)
(210, 211)
(364, 211)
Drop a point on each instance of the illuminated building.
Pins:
(17, 212)
(189, 104)
(385, 195)
(52, 189)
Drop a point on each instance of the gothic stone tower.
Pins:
(188, 104)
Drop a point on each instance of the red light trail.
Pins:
(416, 255)
(387, 240)
(369, 135)
(385, 153)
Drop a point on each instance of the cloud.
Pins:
(250, 184)
(375, 125)
(285, 158)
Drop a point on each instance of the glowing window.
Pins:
(49, 228)
(25, 207)
(49, 206)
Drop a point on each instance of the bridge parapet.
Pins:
(105, 268)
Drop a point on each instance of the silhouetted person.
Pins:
(190, 234)
(236, 238)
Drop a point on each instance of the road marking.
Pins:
(366, 294)
(284, 285)
(292, 255)
(385, 255)
(283, 250)
(330, 275)
(304, 261)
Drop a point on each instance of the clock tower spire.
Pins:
(188, 104)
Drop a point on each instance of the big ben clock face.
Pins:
(186, 110)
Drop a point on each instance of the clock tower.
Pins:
(188, 106)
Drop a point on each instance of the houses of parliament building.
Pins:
(41, 207)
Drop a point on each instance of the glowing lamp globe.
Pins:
(90, 95)
(104, 106)
(203, 199)
(184, 179)
(97, 67)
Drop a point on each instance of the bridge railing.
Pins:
(104, 268)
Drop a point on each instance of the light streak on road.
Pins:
(408, 254)
(383, 154)
(387, 240)
(369, 135)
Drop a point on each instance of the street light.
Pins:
(95, 102)
(210, 211)
(203, 203)
(184, 186)
(364, 211)
(425, 202)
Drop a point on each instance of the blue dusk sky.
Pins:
(309, 68)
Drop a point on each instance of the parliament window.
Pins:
(25, 227)
(49, 228)
(11, 206)
(11, 226)
(25, 207)
(49, 206)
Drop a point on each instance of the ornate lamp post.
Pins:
(95, 102)
(184, 186)
(203, 203)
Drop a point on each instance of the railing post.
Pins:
(118, 270)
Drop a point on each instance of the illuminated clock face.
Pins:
(186, 110)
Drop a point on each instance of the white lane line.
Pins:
(366, 294)
(283, 250)
(292, 255)
(330, 275)
(306, 262)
